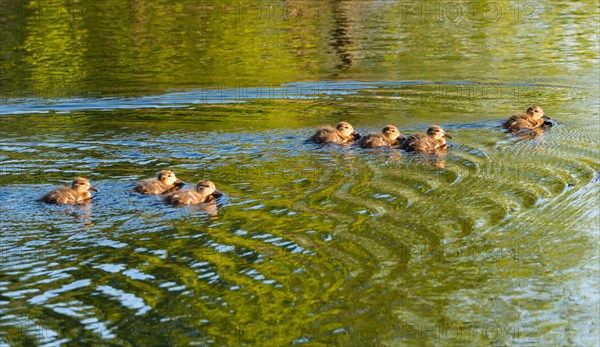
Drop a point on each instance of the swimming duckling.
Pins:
(165, 183)
(77, 193)
(390, 136)
(205, 191)
(432, 142)
(343, 134)
(533, 119)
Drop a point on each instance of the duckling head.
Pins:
(168, 178)
(536, 112)
(391, 133)
(347, 130)
(81, 185)
(208, 188)
(436, 132)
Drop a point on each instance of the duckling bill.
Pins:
(166, 182)
(204, 192)
(433, 141)
(77, 193)
(343, 133)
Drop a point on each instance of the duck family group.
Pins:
(532, 122)
(166, 185)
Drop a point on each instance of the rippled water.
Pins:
(495, 244)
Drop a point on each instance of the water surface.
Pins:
(497, 244)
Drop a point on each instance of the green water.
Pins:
(497, 244)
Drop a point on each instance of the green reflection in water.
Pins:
(315, 245)
(66, 48)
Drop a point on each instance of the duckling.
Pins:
(390, 136)
(343, 134)
(205, 191)
(165, 183)
(533, 119)
(77, 193)
(432, 142)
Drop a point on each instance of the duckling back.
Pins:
(431, 142)
(78, 192)
(166, 182)
(205, 191)
(156, 187)
(64, 195)
(188, 197)
(152, 187)
(326, 134)
(521, 121)
(372, 140)
(419, 143)
(185, 197)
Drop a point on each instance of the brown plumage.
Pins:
(390, 136)
(532, 121)
(431, 142)
(343, 134)
(77, 193)
(165, 183)
(205, 191)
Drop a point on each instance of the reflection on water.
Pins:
(341, 40)
(494, 244)
(322, 243)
